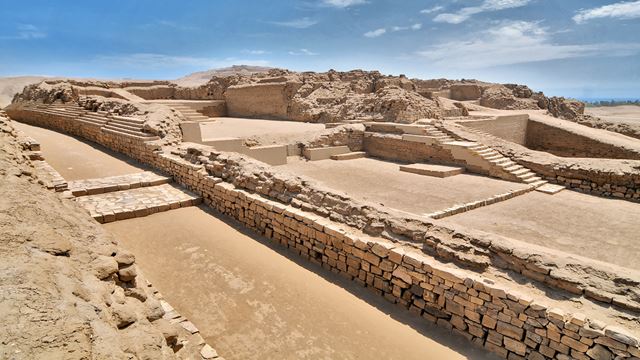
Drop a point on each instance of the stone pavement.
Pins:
(126, 204)
(116, 183)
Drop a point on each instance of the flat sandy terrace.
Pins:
(252, 300)
(262, 130)
(382, 182)
(75, 159)
(627, 114)
(599, 228)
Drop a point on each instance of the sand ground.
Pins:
(590, 226)
(253, 301)
(75, 159)
(263, 131)
(382, 182)
(621, 114)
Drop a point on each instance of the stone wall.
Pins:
(560, 142)
(392, 147)
(344, 135)
(398, 267)
(269, 100)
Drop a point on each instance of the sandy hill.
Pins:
(9, 86)
(202, 77)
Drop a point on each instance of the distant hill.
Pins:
(202, 77)
(9, 86)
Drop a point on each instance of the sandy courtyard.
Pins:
(263, 131)
(382, 182)
(590, 226)
(254, 302)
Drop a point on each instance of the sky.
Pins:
(574, 48)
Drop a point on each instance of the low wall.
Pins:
(268, 100)
(485, 313)
(393, 147)
(561, 142)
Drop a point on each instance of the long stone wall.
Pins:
(486, 314)
(561, 142)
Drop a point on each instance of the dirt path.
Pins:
(75, 159)
(253, 302)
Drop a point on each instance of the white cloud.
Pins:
(487, 5)
(255, 52)
(26, 32)
(301, 23)
(379, 32)
(300, 52)
(620, 10)
(515, 42)
(163, 61)
(432, 10)
(342, 3)
(375, 33)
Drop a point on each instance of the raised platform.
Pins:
(325, 152)
(349, 156)
(550, 189)
(116, 183)
(126, 204)
(440, 171)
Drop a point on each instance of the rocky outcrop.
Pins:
(567, 109)
(324, 97)
(510, 97)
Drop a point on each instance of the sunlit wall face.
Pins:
(582, 48)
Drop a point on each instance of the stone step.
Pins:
(116, 183)
(527, 174)
(514, 168)
(132, 127)
(550, 189)
(126, 204)
(125, 130)
(349, 156)
(141, 136)
(520, 171)
(440, 171)
(126, 119)
(531, 180)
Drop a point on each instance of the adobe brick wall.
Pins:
(564, 143)
(487, 314)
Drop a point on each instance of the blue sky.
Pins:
(580, 48)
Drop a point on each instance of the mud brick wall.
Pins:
(346, 135)
(392, 147)
(567, 144)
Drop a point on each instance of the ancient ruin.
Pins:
(487, 210)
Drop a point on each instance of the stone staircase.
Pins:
(483, 159)
(476, 156)
(191, 110)
(136, 195)
(128, 126)
(119, 125)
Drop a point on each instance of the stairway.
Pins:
(127, 126)
(486, 159)
(191, 114)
